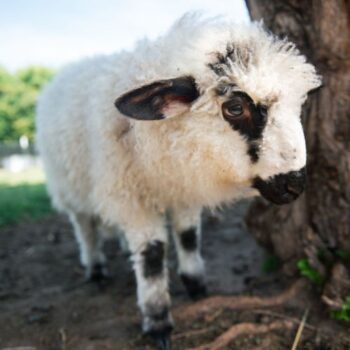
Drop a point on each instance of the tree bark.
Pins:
(317, 225)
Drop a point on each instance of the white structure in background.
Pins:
(24, 142)
(20, 162)
(17, 161)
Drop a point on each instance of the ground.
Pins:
(45, 304)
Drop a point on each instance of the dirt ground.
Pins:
(45, 304)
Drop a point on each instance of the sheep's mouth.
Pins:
(282, 188)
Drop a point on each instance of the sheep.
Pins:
(206, 114)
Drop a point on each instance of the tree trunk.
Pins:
(316, 226)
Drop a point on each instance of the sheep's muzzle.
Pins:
(282, 188)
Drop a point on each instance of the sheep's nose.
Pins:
(295, 182)
(293, 190)
(282, 188)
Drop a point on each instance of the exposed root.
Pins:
(284, 317)
(235, 302)
(211, 317)
(331, 303)
(191, 333)
(215, 304)
(243, 328)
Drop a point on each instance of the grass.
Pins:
(23, 196)
(343, 314)
(309, 272)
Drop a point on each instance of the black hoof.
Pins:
(162, 340)
(195, 286)
(98, 273)
(159, 326)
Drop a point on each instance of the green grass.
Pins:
(23, 196)
(343, 314)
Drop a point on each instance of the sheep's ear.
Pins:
(159, 100)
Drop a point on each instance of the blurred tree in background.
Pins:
(18, 94)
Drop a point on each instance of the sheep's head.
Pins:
(251, 92)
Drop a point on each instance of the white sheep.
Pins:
(225, 104)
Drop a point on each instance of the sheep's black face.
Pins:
(282, 188)
(247, 118)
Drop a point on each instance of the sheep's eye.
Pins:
(263, 110)
(234, 110)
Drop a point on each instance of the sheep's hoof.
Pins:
(162, 341)
(195, 286)
(161, 338)
(97, 273)
(158, 327)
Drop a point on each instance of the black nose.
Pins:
(282, 188)
(295, 182)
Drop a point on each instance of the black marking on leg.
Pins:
(195, 286)
(160, 314)
(188, 239)
(98, 273)
(153, 259)
(157, 326)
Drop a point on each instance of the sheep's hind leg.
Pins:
(90, 245)
(186, 231)
(148, 246)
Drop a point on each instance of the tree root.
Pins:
(191, 333)
(243, 328)
(235, 302)
(216, 304)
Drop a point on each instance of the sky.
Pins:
(52, 33)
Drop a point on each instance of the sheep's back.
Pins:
(72, 116)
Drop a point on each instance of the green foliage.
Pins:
(35, 76)
(18, 94)
(343, 254)
(271, 264)
(308, 271)
(343, 314)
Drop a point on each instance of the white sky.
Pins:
(52, 32)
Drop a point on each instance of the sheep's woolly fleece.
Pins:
(126, 172)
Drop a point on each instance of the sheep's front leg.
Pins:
(187, 236)
(90, 244)
(149, 250)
